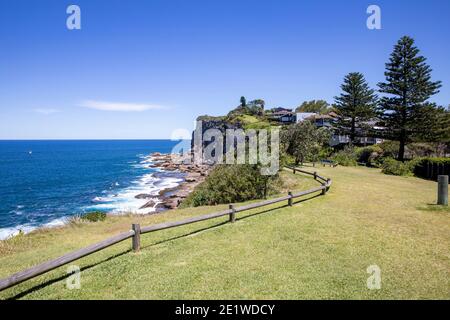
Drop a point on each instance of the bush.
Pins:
(370, 155)
(390, 148)
(397, 168)
(346, 157)
(415, 150)
(232, 183)
(93, 216)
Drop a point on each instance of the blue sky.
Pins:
(167, 61)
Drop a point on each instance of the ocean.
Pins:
(43, 183)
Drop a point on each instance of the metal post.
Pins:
(232, 214)
(443, 190)
(136, 240)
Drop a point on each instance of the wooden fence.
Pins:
(136, 231)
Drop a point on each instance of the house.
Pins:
(320, 120)
(282, 115)
(327, 120)
(302, 116)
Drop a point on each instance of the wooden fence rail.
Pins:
(137, 231)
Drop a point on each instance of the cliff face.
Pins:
(219, 123)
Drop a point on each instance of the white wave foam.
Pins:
(125, 201)
(6, 233)
(119, 202)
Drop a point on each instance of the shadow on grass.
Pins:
(52, 281)
(185, 235)
(278, 207)
(432, 207)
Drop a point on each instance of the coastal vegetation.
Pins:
(233, 183)
(318, 249)
(304, 141)
(93, 216)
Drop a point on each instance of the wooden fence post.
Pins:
(232, 214)
(315, 175)
(290, 199)
(136, 240)
(293, 170)
(442, 190)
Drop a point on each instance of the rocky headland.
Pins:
(171, 198)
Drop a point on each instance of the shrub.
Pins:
(415, 150)
(370, 155)
(397, 168)
(93, 216)
(390, 148)
(232, 183)
(346, 157)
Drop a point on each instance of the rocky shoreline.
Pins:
(171, 198)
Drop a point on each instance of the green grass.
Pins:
(252, 122)
(317, 249)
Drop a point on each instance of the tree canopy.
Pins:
(407, 88)
(317, 106)
(243, 101)
(304, 141)
(355, 105)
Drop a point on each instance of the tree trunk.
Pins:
(265, 188)
(353, 131)
(401, 151)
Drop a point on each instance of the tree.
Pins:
(355, 105)
(317, 106)
(433, 123)
(434, 127)
(408, 86)
(243, 101)
(304, 141)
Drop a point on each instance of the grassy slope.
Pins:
(315, 249)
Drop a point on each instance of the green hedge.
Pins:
(430, 168)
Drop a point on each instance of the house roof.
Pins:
(301, 116)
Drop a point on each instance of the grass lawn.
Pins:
(317, 249)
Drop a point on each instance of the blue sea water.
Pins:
(44, 182)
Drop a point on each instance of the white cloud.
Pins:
(46, 111)
(119, 106)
